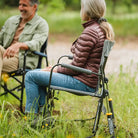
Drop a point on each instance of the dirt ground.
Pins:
(124, 52)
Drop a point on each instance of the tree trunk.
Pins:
(114, 6)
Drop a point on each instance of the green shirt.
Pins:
(33, 35)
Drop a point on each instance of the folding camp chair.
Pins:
(101, 92)
(21, 72)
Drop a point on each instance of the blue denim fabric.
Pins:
(36, 82)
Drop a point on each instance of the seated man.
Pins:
(20, 33)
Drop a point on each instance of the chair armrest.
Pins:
(68, 56)
(34, 52)
(75, 68)
(79, 69)
(39, 53)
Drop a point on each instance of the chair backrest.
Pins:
(105, 53)
(43, 50)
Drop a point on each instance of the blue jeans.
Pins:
(36, 82)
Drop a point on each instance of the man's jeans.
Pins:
(36, 82)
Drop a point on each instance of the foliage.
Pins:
(69, 22)
(55, 6)
(11, 3)
(43, 1)
(135, 1)
(73, 4)
(1, 3)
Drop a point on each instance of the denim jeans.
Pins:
(36, 82)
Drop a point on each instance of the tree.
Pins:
(73, 4)
(114, 4)
(128, 3)
(55, 6)
(11, 3)
(135, 1)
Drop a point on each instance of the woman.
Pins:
(87, 51)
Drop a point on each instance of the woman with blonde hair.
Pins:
(95, 10)
(86, 50)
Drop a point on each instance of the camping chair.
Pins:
(21, 72)
(101, 92)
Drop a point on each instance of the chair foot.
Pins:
(111, 125)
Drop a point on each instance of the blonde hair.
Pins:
(96, 9)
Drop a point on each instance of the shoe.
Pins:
(48, 120)
(33, 120)
(39, 120)
(36, 122)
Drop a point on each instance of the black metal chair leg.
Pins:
(4, 86)
(22, 91)
(5, 92)
(112, 111)
(98, 114)
(21, 102)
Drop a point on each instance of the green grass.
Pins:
(69, 22)
(123, 89)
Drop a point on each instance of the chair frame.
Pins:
(102, 91)
(21, 72)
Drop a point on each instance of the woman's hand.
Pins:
(49, 69)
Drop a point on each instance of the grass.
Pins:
(69, 22)
(123, 89)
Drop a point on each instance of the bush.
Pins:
(55, 6)
(135, 1)
(11, 3)
(73, 4)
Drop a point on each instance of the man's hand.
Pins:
(13, 49)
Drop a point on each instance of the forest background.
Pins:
(122, 14)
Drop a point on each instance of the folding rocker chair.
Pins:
(21, 72)
(101, 92)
